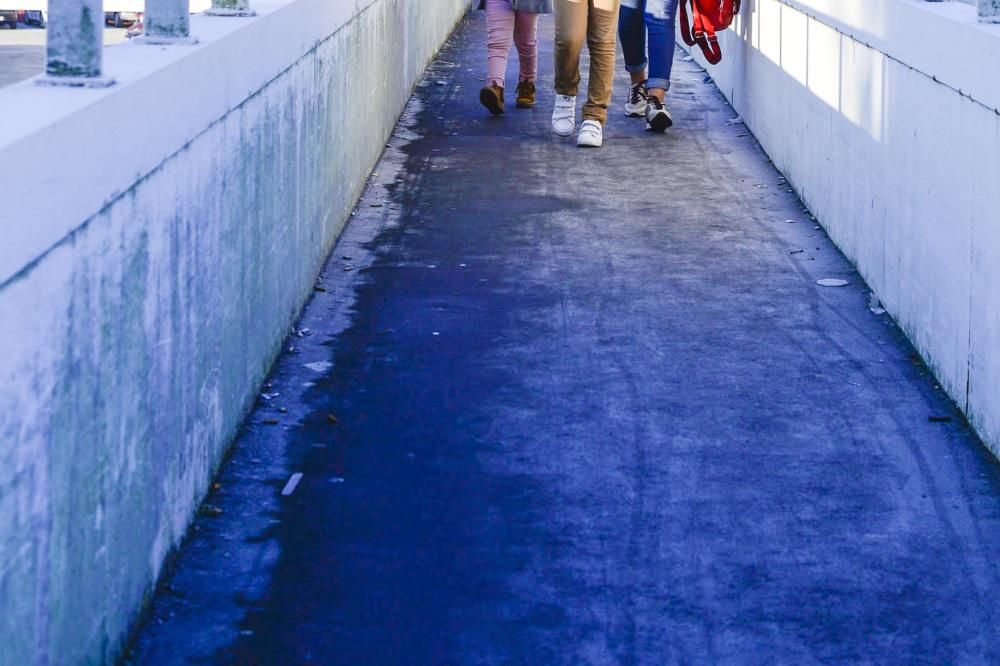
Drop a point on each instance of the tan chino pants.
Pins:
(596, 23)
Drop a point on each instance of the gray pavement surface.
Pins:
(22, 51)
(558, 406)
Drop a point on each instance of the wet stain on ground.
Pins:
(588, 407)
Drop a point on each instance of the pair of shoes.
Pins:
(491, 97)
(591, 134)
(640, 104)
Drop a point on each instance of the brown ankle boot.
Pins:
(492, 98)
(525, 94)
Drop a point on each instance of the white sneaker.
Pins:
(591, 134)
(564, 115)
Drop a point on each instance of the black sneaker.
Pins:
(635, 105)
(658, 118)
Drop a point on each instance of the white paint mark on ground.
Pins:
(292, 484)
(319, 366)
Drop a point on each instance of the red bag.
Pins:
(705, 19)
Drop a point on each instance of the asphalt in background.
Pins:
(22, 51)
(557, 406)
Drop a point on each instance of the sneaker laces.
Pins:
(637, 93)
(655, 102)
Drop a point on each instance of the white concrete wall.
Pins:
(159, 237)
(883, 114)
(109, 5)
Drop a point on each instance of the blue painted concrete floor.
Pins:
(557, 406)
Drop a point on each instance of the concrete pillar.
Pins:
(74, 44)
(989, 11)
(167, 22)
(231, 8)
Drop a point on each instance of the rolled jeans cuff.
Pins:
(658, 83)
(635, 69)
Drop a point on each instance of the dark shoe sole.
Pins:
(489, 100)
(660, 123)
(525, 105)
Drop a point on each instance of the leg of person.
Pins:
(526, 40)
(632, 34)
(571, 32)
(499, 36)
(661, 20)
(602, 33)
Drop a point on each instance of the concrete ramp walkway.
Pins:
(563, 406)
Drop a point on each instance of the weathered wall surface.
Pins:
(891, 136)
(176, 225)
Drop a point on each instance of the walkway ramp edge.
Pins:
(171, 229)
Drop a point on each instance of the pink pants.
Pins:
(503, 26)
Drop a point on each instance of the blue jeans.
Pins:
(659, 19)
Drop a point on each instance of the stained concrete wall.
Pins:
(890, 132)
(159, 238)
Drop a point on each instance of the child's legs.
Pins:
(602, 34)
(499, 35)
(571, 31)
(526, 39)
(661, 21)
(632, 33)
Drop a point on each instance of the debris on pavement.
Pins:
(292, 484)
(832, 282)
(875, 305)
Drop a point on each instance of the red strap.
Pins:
(686, 23)
(710, 47)
(701, 35)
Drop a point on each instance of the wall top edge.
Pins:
(56, 143)
(943, 40)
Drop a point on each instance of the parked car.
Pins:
(137, 28)
(120, 19)
(36, 17)
(8, 17)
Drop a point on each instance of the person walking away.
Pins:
(653, 22)
(507, 22)
(593, 21)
